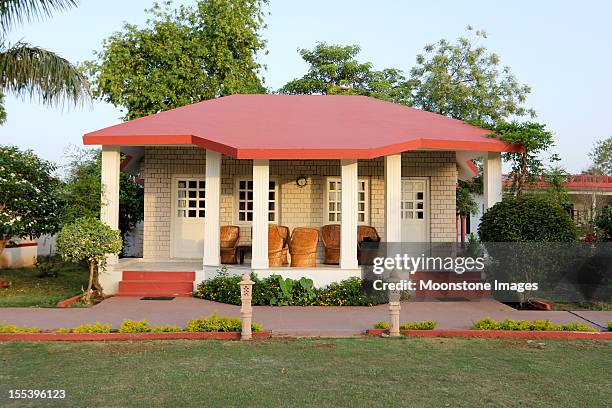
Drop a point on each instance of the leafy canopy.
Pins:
(465, 81)
(88, 239)
(335, 70)
(29, 195)
(527, 165)
(182, 56)
(83, 187)
(602, 156)
(33, 72)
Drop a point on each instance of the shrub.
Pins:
(276, 290)
(221, 288)
(214, 323)
(603, 221)
(527, 218)
(131, 326)
(47, 266)
(93, 328)
(11, 328)
(422, 325)
(576, 326)
(64, 330)
(382, 325)
(526, 325)
(166, 329)
(610, 325)
(485, 324)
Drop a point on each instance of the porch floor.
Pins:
(141, 264)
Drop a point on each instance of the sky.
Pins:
(559, 48)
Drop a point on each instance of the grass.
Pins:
(315, 372)
(28, 290)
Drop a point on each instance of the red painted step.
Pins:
(139, 295)
(158, 276)
(156, 283)
(156, 286)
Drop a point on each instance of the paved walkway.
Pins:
(288, 320)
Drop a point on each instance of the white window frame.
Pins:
(236, 212)
(175, 198)
(366, 201)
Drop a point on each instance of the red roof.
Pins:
(299, 126)
(573, 182)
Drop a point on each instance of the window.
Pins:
(334, 201)
(191, 198)
(245, 200)
(413, 200)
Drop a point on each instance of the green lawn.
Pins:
(27, 289)
(324, 372)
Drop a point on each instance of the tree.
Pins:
(182, 56)
(335, 70)
(603, 222)
(89, 239)
(466, 82)
(527, 165)
(82, 192)
(602, 156)
(556, 177)
(29, 195)
(31, 71)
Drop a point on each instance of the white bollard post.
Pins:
(394, 307)
(246, 309)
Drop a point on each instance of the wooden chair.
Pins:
(330, 235)
(368, 241)
(303, 247)
(230, 235)
(284, 232)
(275, 246)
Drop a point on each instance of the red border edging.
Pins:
(128, 336)
(68, 302)
(500, 334)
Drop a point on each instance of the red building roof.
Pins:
(572, 182)
(299, 126)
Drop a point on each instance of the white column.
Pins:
(213, 205)
(393, 197)
(261, 187)
(492, 179)
(109, 200)
(348, 222)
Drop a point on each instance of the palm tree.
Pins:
(33, 72)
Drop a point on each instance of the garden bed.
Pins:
(128, 336)
(499, 334)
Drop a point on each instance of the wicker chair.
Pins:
(284, 233)
(303, 247)
(368, 241)
(275, 246)
(330, 235)
(230, 235)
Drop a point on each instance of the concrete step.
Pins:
(158, 276)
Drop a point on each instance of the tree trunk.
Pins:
(87, 297)
(96, 280)
(3, 242)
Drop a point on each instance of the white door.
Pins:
(415, 209)
(189, 210)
